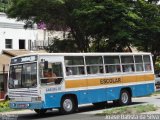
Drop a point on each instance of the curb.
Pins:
(17, 112)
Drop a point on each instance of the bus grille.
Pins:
(22, 93)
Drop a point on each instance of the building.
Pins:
(13, 36)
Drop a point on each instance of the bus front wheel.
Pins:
(40, 111)
(68, 105)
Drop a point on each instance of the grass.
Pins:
(129, 110)
(4, 106)
(156, 93)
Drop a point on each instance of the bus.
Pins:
(45, 81)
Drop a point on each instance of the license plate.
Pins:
(22, 106)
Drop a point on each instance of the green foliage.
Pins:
(4, 104)
(66, 45)
(157, 64)
(4, 4)
(96, 25)
(129, 110)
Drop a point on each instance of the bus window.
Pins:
(112, 64)
(53, 74)
(29, 75)
(127, 63)
(23, 76)
(139, 63)
(74, 65)
(94, 64)
(147, 62)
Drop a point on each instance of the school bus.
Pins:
(65, 80)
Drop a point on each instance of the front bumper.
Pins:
(26, 105)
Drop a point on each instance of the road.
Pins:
(86, 112)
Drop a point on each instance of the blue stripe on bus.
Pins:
(52, 100)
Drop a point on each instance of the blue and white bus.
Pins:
(65, 80)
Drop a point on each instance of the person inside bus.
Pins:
(148, 67)
(101, 69)
(49, 75)
(127, 68)
(68, 71)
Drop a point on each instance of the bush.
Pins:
(4, 104)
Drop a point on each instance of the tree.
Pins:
(148, 27)
(56, 14)
(4, 5)
(90, 22)
(97, 25)
(66, 45)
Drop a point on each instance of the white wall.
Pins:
(15, 35)
(11, 29)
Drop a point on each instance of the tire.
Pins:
(68, 105)
(40, 111)
(125, 98)
(100, 104)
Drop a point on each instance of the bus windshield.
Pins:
(23, 76)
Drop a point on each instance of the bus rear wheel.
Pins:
(40, 111)
(68, 105)
(125, 98)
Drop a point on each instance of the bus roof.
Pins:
(85, 54)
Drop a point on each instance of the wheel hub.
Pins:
(67, 105)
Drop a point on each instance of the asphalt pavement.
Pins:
(86, 112)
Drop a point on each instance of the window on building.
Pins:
(112, 64)
(127, 63)
(21, 44)
(74, 65)
(8, 43)
(139, 63)
(147, 62)
(94, 64)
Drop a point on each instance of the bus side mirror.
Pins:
(45, 64)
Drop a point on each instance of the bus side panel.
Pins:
(142, 89)
(113, 93)
(52, 100)
(82, 96)
(97, 95)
